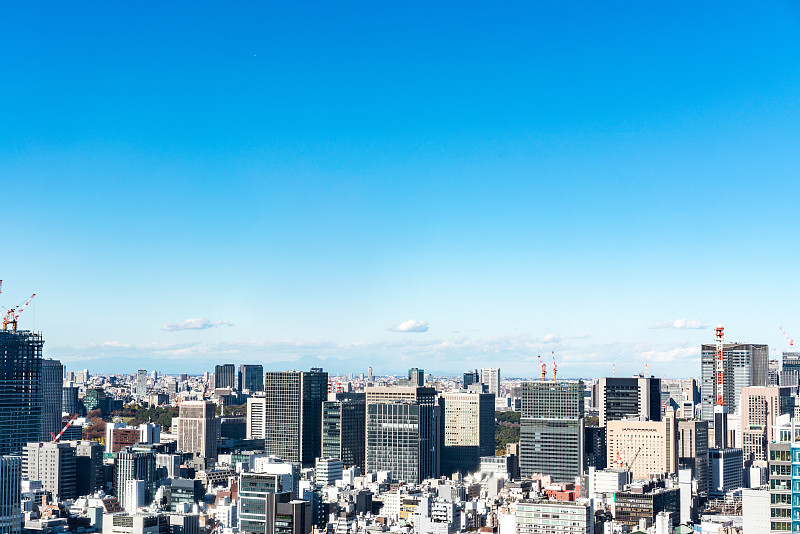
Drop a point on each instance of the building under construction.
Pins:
(20, 389)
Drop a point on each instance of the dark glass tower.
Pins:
(52, 386)
(343, 423)
(251, 377)
(225, 376)
(20, 389)
(292, 414)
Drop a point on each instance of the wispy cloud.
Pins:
(677, 354)
(412, 325)
(682, 324)
(116, 344)
(194, 324)
(551, 338)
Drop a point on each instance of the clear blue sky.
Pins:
(512, 179)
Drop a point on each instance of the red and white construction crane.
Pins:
(719, 366)
(56, 437)
(544, 368)
(13, 314)
(785, 334)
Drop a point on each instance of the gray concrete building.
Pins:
(745, 364)
(54, 465)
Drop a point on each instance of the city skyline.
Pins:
(434, 186)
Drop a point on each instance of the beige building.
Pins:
(760, 407)
(647, 448)
(197, 428)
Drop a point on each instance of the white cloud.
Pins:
(116, 344)
(682, 324)
(677, 354)
(194, 324)
(412, 325)
(551, 338)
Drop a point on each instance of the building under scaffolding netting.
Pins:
(20, 389)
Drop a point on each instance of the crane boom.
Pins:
(13, 314)
(56, 437)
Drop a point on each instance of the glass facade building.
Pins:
(291, 414)
(343, 425)
(225, 376)
(404, 437)
(52, 386)
(745, 365)
(552, 430)
(251, 378)
(20, 389)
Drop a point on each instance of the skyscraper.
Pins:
(471, 377)
(491, 377)
(268, 506)
(20, 389)
(620, 398)
(10, 495)
(404, 437)
(197, 426)
(468, 431)
(251, 378)
(134, 463)
(343, 424)
(644, 447)
(760, 409)
(54, 464)
(69, 399)
(551, 430)
(291, 412)
(225, 376)
(141, 383)
(745, 364)
(693, 451)
(52, 386)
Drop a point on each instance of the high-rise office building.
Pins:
(344, 418)
(135, 463)
(791, 361)
(594, 443)
(726, 471)
(251, 378)
(292, 414)
(140, 386)
(20, 389)
(760, 408)
(69, 399)
(774, 372)
(419, 395)
(468, 431)
(551, 430)
(693, 451)
(267, 505)
(745, 364)
(620, 398)
(52, 396)
(644, 448)
(416, 377)
(225, 376)
(471, 377)
(54, 464)
(491, 377)
(10, 495)
(784, 458)
(88, 466)
(404, 437)
(197, 428)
